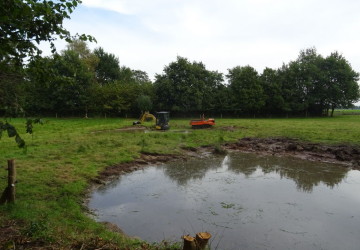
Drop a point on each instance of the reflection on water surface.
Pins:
(245, 201)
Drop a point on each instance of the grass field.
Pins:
(63, 155)
(347, 112)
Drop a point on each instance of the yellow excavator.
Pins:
(161, 119)
(146, 116)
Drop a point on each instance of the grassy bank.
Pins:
(63, 155)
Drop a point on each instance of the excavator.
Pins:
(161, 119)
(145, 116)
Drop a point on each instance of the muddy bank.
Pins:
(346, 155)
(145, 159)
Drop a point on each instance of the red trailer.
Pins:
(202, 123)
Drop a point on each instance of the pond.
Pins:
(245, 201)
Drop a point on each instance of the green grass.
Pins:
(63, 155)
(347, 112)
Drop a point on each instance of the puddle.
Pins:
(245, 201)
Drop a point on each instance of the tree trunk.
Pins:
(332, 111)
(9, 193)
(86, 113)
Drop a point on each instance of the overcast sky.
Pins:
(149, 34)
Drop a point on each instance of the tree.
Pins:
(301, 83)
(72, 82)
(140, 77)
(114, 99)
(81, 49)
(25, 23)
(186, 86)
(60, 83)
(314, 84)
(108, 69)
(39, 88)
(144, 103)
(341, 85)
(308, 80)
(11, 90)
(128, 75)
(248, 95)
(273, 98)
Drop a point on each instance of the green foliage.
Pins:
(61, 82)
(108, 69)
(340, 84)
(115, 98)
(186, 86)
(144, 103)
(248, 94)
(25, 23)
(11, 90)
(313, 84)
(29, 124)
(273, 96)
(79, 81)
(12, 132)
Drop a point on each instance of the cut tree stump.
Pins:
(189, 243)
(9, 193)
(196, 243)
(202, 240)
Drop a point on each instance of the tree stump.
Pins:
(202, 240)
(189, 243)
(9, 193)
(198, 243)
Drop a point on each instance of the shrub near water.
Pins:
(64, 155)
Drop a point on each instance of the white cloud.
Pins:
(148, 35)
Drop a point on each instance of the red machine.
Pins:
(202, 123)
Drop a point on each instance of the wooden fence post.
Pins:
(9, 193)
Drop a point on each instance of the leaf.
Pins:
(20, 142)
(11, 130)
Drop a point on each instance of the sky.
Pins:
(148, 35)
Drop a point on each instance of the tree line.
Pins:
(310, 85)
(78, 81)
(81, 82)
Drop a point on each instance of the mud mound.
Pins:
(347, 155)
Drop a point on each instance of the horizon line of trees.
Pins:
(81, 82)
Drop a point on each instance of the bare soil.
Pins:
(124, 129)
(346, 155)
(145, 159)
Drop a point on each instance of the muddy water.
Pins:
(245, 201)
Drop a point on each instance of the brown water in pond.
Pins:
(245, 201)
